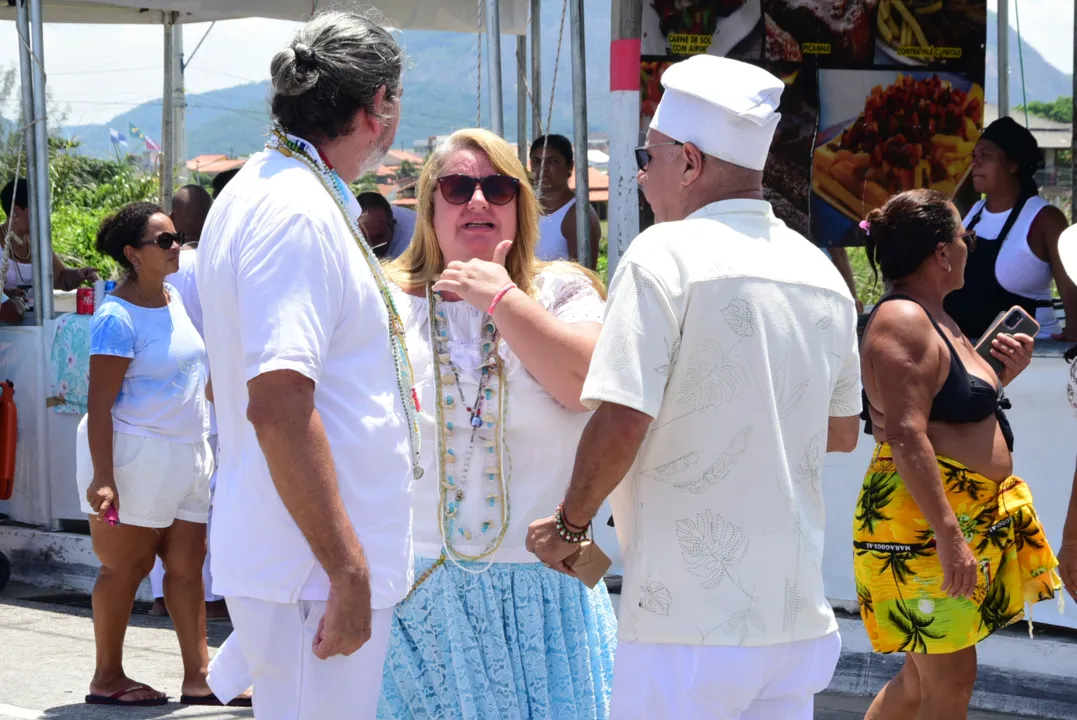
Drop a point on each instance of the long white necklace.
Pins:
(484, 427)
(305, 153)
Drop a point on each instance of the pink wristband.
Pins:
(497, 298)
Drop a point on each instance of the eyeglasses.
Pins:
(165, 240)
(969, 236)
(643, 153)
(497, 189)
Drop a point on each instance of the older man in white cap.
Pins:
(726, 369)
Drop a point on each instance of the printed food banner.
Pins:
(881, 95)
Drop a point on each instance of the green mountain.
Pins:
(440, 86)
(441, 81)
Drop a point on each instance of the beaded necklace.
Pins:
(305, 153)
(484, 427)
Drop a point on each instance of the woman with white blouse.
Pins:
(500, 344)
(143, 460)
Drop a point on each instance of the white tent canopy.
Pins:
(441, 15)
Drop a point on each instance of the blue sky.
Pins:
(99, 71)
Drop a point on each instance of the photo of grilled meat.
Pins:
(837, 31)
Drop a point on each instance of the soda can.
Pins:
(84, 304)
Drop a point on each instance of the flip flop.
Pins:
(212, 699)
(114, 698)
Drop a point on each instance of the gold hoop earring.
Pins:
(949, 268)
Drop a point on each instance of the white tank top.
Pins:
(18, 275)
(552, 244)
(1017, 268)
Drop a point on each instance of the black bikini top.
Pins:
(963, 397)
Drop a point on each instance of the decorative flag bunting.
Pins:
(117, 137)
(135, 132)
(151, 145)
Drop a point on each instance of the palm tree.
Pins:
(995, 610)
(863, 596)
(915, 627)
(959, 480)
(1026, 531)
(897, 562)
(876, 494)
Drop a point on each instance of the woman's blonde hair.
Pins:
(422, 263)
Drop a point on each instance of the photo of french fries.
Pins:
(899, 25)
(912, 134)
(930, 32)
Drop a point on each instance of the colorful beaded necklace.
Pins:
(307, 154)
(484, 427)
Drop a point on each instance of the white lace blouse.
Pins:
(541, 434)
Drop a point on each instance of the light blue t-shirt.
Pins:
(164, 392)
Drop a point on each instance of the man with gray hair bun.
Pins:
(727, 367)
(313, 390)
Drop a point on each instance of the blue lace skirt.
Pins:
(517, 642)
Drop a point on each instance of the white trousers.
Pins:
(778, 682)
(270, 649)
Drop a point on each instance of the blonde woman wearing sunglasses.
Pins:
(500, 344)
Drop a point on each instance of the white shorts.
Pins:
(271, 648)
(157, 481)
(777, 682)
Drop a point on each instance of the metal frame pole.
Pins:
(179, 104)
(1073, 136)
(521, 99)
(1003, 52)
(42, 214)
(579, 122)
(493, 59)
(626, 33)
(168, 139)
(536, 68)
(26, 74)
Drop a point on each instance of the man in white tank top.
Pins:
(551, 155)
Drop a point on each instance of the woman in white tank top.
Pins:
(1016, 258)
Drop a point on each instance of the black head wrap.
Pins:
(1019, 146)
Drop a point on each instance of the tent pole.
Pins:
(1003, 52)
(521, 98)
(168, 137)
(179, 104)
(1073, 136)
(627, 19)
(579, 122)
(493, 59)
(26, 73)
(41, 215)
(536, 68)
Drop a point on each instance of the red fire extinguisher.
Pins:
(9, 435)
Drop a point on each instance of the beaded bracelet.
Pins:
(569, 536)
(497, 298)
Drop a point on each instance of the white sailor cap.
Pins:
(1067, 251)
(728, 109)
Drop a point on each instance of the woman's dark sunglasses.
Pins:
(969, 236)
(497, 189)
(165, 240)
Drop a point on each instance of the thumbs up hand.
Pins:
(476, 282)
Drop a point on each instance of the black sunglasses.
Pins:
(497, 189)
(165, 240)
(643, 153)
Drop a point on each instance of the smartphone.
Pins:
(1013, 321)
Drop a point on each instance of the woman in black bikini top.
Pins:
(937, 563)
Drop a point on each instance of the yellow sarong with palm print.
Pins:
(898, 575)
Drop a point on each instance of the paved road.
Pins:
(46, 659)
